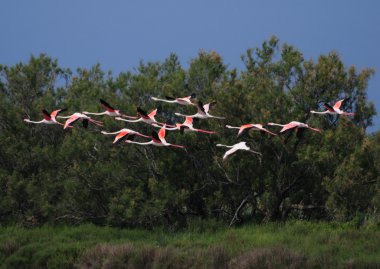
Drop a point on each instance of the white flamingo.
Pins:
(158, 140)
(124, 133)
(110, 111)
(202, 112)
(79, 116)
(186, 126)
(49, 118)
(182, 100)
(333, 110)
(236, 147)
(257, 127)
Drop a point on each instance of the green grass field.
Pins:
(290, 245)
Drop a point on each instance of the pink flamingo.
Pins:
(333, 110)
(182, 101)
(79, 116)
(294, 125)
(202, 112)
(186, 126)
(157, 140)
(49, 118)
(257, 127)
(144, 117)
(124, 133)
(236, 147)
(110, 111)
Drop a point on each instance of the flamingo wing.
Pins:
(155, 137)
(131, 137)
(142, 113)
(153, 113)
(329, 108)
(300, 132)
(85, 123)
(261, 128)
(208, 106)
(188, 121)
(46, 115)
(289, 126)
(230, 152)
(182, 129)
(169, 98)
(56, 112)
(201, 108)
(71, 120)
(244, 127)
(120, 135)
(106, 106)
(161, 133)
(339, 103)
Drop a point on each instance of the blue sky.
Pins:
(118, 34)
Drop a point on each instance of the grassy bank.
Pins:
(290, 245)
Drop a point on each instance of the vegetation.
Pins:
(52, 176)
(290, 245)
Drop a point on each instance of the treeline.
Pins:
(51, 175)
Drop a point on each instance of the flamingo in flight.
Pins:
(236, 147)
(333, 110)
(182, 100)
(110, 111)
(49, 118)
(144, 117)
(158, 139)
(257, 127)
(124, 133)
(79, 116)
(298, 126)
(186, 126)
(202, 111)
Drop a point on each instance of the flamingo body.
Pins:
(79, 116)
(182, 100)
(203, 112)
(158, 140)
(186, 126)
(333, 110)
(110, 111)
(144, 117)
(244, 127)
(49, 118)
(124, 133)
(294, 125)
(234, 148)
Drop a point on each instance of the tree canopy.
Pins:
(48, 174)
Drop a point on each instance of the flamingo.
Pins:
(110, 111)
(236, 147)
(333, 110)
(186, 126)
(144, 117)
(202, 112)
(182, 100)
(294, 125)
(49, 118)
(124, 133)
(157, 140)
(257, 127)
(79, 116)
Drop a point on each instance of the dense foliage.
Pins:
(51, 175)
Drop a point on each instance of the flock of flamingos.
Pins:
(158, 138)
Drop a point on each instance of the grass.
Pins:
(289, 245)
